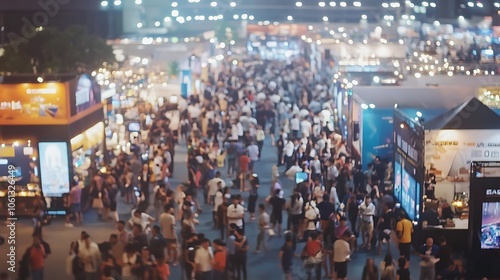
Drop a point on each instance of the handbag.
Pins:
(97, 203)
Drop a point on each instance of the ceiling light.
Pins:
(364, 106)
(372, 106)
(251, 17)
(138, 2)
(356, 4)
(189, 18)
(298, 4)
(213, 4)
(167, 19)
(395, 4)
(497, 5)
(343, 4)
(236, 16)
(364, 16)
(117, 2)
(419, 114)
(322, 4)
(39, 79)
(175, 13)
(385, 5)
(479, 4)
(470, 4)
(333, 4)
(157, 24)
(325, 18)
(104, 3)
(433, 5)
(174, 4)
(289, 17)
(232, 4)
(180, 20)
(425, 4)
(244, 16)
(139, 25)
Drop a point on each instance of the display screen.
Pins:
(134, 127)
(301, 177)
(397, 181)
(408, 194)
(54, 168)
(490, 226)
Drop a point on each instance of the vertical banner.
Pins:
(186, 83)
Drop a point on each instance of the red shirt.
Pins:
(244, 161)
(163, 271)
(313, 247)
(37, 257)
(220, 260)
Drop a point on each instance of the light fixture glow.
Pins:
(174, 4)
(356, 4)
(175, 13)
(138, 2)
(322, 4)
(232, 4)
(39, 79)
(139, 25)
(364, 16)
(332, 4)
(364, 106)
(117, 2)
(289, 17)
(343, 4)
(251, 17)
(298, 4)
(157, 24)
(213, 4)
(244, 16)
(419, 114)
(104, 3)
(325, 18)
(372, 106)
(470, 4)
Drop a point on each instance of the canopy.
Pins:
(472, 114)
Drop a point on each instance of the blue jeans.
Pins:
(37, 274)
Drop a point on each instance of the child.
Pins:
(163, 269)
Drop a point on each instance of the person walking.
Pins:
(428, 253)
(36, 255)
(366, 212)
(241, 244)
(203, 260)
(263, 228)
(404, 230)
(220, 260)
(341, 255)
(253, 195)
(75, 198)
(286, 257)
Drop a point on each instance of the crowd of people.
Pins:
(335, 205)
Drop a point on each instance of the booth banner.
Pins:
(33, 104)
(376, 134)
(85, 93)
(449, 153)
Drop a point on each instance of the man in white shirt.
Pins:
(331, 174)
(295, 126)
(213, 187)
(341, 255)
(194, 112)
(306, 128)
(203, 260)
(241, 132)
(91, 257)
(366, 212)
(235, 213)
(288, 151)
(140, 218)
(157, 164)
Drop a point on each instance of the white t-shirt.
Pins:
(218, 200)
(295, 124)
(341, 250)
(367, 212)
(194, 111)
(158, 162)
(239, 126)
(143, 220)
(212, 185)
(306, 128)
(235, 214)
(203, 258)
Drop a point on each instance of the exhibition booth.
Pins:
(44, 127)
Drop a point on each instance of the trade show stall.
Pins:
(484, 224)
(41, 124)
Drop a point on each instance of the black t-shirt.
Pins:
(277, 204)
(287, 259)
(326, 209)
(387, 220)
(404, 274)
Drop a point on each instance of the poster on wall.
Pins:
(54, 168)
(34, 104)
(449, 153)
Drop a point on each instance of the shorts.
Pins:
(382, 235)
(366, 227)
(276, 218)
(341, 269)
(75, 208)
(169, 241)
